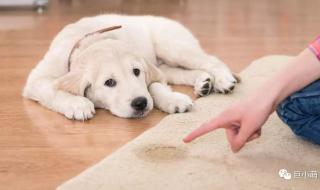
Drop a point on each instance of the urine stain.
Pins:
(161, 153)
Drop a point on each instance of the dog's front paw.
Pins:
(224, 82)
(203, 85)
(78, 108)
(178, 103)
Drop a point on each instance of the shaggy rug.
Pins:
(158, 159)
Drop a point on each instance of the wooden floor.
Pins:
(39, 149)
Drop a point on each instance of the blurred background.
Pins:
(39, 149)
(236, 31)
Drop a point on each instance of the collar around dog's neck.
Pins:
(77, 45)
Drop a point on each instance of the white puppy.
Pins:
(124, 70)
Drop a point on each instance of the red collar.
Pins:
(85, 36)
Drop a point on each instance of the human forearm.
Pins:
(304, 69)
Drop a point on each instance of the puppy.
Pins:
(123, 64)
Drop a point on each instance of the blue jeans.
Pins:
(301, 112)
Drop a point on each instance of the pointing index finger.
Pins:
(214, 124)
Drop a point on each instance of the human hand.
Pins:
(242, 123)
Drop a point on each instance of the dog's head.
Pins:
(112, 76)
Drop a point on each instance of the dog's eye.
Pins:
(110, 83)
(136, 72)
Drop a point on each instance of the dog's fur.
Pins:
(161, 49)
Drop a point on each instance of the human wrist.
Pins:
(255, 103)
(265, 99)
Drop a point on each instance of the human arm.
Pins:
(243, 124)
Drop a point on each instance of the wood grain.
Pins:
(40, 149)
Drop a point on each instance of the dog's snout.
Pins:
(139, 103)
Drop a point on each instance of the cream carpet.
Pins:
(158, 159)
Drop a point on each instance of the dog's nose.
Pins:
(139, 103)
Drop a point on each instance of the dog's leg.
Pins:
(73, 107)
(200, 80)
(168, 101)
(184, 50)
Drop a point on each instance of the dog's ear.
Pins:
(153, 74)
(73, 82)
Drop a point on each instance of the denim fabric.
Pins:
(301, 112)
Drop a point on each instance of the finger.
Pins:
(216, 123)
(231, 134)
(242, 137)
(256, 135)
(252, 137)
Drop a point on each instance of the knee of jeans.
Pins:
(302, 125)
(290, 113)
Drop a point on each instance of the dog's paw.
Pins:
(178, 103)
(224, 82)
(78, 108)
(203, 85)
